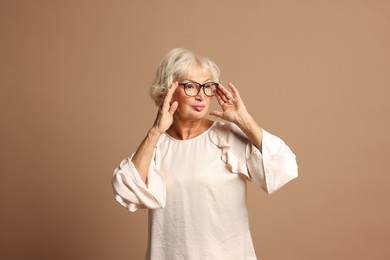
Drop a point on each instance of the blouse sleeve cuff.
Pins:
(278, 162)
(132, 193)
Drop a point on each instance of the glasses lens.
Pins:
(210, 88)
(191, 88)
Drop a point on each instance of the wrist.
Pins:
(154, 132)
(244, 121)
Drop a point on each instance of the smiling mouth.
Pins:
(198, 108)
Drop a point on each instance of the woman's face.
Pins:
(192, 108)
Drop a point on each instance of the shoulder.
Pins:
(232, 142)
(161, 139)
(222, 132)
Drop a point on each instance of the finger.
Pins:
(225, 99)
(225, 92)
(222, 96)
(172, 89)
(173, 107)
(168, 97)
(216, 113)
(219, 98)
(234, 90)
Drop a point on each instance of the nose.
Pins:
(200, 95)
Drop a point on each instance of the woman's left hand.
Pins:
(233, 108)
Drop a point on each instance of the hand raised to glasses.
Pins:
(233, 108)
(165, 113)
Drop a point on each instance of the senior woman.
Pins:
(191, 172)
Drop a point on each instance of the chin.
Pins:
(197, 115)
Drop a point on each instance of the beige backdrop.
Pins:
(74, 80)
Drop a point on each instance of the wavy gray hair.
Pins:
(178, 64)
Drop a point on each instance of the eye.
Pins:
(208, 85)
(190, 85)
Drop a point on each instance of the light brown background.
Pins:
(74, 79)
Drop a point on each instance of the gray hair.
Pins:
(177, 64)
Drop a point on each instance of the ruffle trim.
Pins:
(218, 135)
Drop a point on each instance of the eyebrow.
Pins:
(198, 82)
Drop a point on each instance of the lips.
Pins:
(198, 108)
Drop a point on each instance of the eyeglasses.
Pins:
(192, 88)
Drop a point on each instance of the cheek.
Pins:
(208, 101)
(182, 102)
(177, 97)
(173, 100)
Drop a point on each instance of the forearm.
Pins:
(251, 129)
(143, 155)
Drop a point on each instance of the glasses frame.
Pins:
(201, 86)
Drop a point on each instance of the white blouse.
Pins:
(196, 192)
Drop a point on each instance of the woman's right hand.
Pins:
(165, 113)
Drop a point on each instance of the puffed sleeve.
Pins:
(130, 190)
(275, 166)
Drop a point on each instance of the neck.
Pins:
(183, 130)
